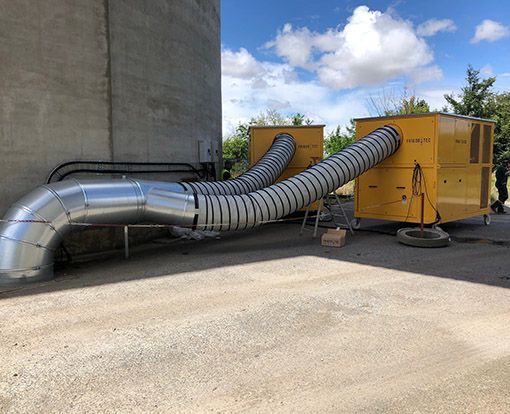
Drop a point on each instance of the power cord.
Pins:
(419, 184)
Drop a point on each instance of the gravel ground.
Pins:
(264, 321)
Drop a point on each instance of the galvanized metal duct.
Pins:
(35, 226)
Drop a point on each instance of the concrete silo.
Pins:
(121, 80)
(114, 80)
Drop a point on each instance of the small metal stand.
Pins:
(325, 202)
(126, 242)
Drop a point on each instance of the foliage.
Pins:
(502, 130)
(476, 99)
(299, 119)
(270, 117)
(235, 147)
(337, 140)
(391, 102)
(413, 105)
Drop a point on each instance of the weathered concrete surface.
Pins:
(265, 321)
(54, 82)
(166, 78)
(130, 80)
(127, 80)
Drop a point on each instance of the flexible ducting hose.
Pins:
(264, 173)
(271, 203)
(35, 226)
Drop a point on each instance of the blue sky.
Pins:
(326, 58)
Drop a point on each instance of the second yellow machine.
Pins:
(445, 157)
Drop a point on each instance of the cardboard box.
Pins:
(334, 238)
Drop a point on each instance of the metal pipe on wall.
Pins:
(34, 227)
(264, 173)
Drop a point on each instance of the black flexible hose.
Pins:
(267, 204)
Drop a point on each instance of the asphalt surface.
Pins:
(268, 321)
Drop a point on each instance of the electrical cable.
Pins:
(419, 187)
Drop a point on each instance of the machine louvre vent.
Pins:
(486, 148)
(484, 191)
(475, 143)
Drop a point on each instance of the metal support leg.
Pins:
(319, 210)
(126, 242)
(344, 214)
(304, 220)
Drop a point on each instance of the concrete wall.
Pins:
(133, 80)
(166, 78)
(54, 89)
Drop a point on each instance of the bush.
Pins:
(338, 140)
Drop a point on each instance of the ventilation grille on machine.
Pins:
(475, 144)
(486, 148)
(484, 191)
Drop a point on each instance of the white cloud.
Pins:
(424, 74)
(342, 67)
(487, 70)
(277, 86)
(433, 26)
(294, 45)
(490, 31)
(434, 97)
(240, 64)
(373, 47)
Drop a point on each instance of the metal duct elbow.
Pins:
(36, 225)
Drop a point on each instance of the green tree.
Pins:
(269, 117)
(413, 105)
(337, 140)
(502, 130)
(388, 103)
(476, 98)
(479, 100)
(235, 147)
(299, 119)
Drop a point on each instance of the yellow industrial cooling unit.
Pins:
(446, 157)
(309, 146)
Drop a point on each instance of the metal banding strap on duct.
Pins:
(264, 173)
(33, 227)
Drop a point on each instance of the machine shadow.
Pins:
(475, 262)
